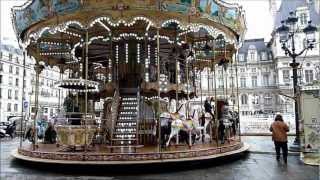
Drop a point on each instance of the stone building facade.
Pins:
(11, 84)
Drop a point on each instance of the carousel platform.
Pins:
(100, 155)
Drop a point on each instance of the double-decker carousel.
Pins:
(142, 62)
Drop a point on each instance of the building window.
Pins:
(255, 99)
(252, 56)
(1, 67)
(286, 76)
(9, 107)
(267, 99)
(10, 69)
(17, 70)
(243, 82)
(0, 55)
(46, 110)
(231, 82)
(220, 83)
(33, 109)
(15, 107)
(263, 56)
(10, 81)
(254, 81)
(303, 18)
(241, 57)
(0, 93)
(16, 94)
(17, 82)
(17, 60)
(9, 94)
(244, 99)
(254, 70)
(0, 79)
(266, 80)
(242, 70)
(10, 57)
(308, 76)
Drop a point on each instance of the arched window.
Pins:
(244, 99)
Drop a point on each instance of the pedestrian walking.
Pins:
(279, 131)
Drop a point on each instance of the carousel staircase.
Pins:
(125, 128)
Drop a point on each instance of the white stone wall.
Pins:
(52, 75)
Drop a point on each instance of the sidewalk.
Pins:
(264, 144)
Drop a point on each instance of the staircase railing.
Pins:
(114, 111)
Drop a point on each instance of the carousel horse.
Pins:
(183, 128)
(205, 123)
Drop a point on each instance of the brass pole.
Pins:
(23, 98)
(236, 60)
(158, 71)
(86, 92)
(215, 98)
(36, 102)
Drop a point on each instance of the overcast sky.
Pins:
(259, 20)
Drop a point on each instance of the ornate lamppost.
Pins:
(287, 32)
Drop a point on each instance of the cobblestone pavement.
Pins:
(252, 166)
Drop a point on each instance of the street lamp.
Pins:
(287, 32)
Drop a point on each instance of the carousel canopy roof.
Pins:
(54, 31)
(37, 14)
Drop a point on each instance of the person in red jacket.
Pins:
(279, 131)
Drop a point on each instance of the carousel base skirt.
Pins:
(98, 158)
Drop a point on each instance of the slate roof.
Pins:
(9, 45)
(288, 6)
(260, 46)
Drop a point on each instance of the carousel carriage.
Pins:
(130, 55)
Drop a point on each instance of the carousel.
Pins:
(134, 86)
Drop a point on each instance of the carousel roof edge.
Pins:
(33, 12)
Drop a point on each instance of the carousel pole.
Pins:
(201, 88)
(177, 85)
(238, 104)
(225, 56)
(208, 75)
(59, 91)
(223, 83)
(36, 101)
(187, 74)
(158, 73)
(23, 97)
(232, 84)
(215, 97)
(86, 92)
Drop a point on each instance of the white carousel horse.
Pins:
(180, 124)
(206, 128)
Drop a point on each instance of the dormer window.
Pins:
(252, 53)
(241, 57)
(303, 18)
(263, 56)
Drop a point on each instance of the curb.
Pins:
(273, 153)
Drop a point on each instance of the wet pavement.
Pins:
(250, 166)
(264, 144)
